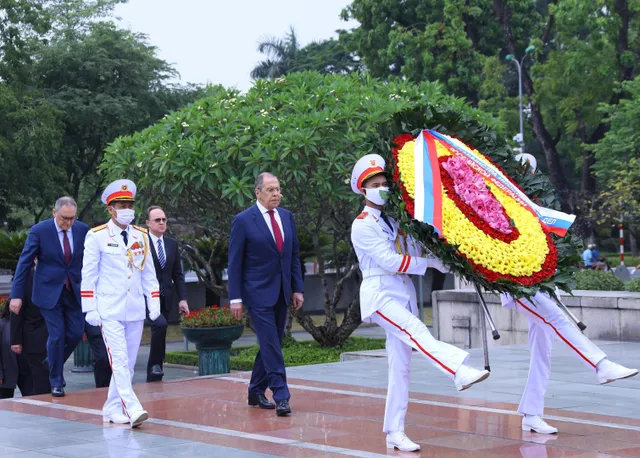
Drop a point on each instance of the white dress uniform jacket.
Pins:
(385, 257)
(115, 277)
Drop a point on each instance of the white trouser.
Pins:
(122, 339)
(405, 331)
(547, 321)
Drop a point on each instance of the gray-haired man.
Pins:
(58, 243)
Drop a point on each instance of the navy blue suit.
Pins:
(264, 279)
(60, 307)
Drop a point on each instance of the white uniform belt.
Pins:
(376, 272)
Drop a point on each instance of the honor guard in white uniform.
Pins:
(546, 322)
(388, 298)
(117, 273)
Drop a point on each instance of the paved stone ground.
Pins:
(574, 399)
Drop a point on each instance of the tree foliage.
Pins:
(585, 49)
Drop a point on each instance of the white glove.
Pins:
(154, 314)
(93, 318)
(438, 265)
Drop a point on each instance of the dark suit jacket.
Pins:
(257, 271)
(172, 273)
(29, 328)
(50, 277)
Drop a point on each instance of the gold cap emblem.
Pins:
(372, 162)
(124, 187)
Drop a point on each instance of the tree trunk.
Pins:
(633, 242)
(556, 173)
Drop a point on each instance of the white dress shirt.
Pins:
(155, 239)
(69, 236)
(267, 219)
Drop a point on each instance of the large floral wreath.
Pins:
(488, 230)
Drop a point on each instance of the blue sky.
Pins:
(215, 41)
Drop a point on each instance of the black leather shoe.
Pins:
(156, 373)
(57, 392)
(261, 401)
(282, 408)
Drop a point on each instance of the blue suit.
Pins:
(264, 279)
(60, 307)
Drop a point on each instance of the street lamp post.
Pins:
(512, 58)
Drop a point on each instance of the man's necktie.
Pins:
(161, 256)
(125, 237)
(67, 257)
(276, 231)
(386, 220)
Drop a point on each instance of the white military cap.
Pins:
(119, 190)
(366, 167)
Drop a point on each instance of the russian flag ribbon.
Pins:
(428, 190)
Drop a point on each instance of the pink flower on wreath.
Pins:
(473, 191)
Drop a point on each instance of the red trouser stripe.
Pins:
(106, 344)
(557, 332)
(429, 355)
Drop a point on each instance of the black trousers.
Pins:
(24, 382)
(99, 356)
(39, 373)
(158, 346)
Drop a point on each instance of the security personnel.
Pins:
(116, 275)
(388, 298)
(546, 322)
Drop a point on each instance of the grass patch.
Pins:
(295, 353)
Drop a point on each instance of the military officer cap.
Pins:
(119, 190)
(366, 167)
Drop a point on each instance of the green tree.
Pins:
(308, 129)
(280, 53)
(584, 50)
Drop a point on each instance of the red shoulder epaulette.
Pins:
(362, 215)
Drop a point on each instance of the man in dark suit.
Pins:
(264, 271)
(58, 243)
(168, 264)
(29, 338)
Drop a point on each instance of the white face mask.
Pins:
(378, 196)
(125, 216)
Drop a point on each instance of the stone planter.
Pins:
(214, 347)
(82, 358)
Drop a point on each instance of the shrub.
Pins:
(634, 285)
(209, 317)
(295, 353)
(597, 280)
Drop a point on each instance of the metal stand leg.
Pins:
(566, 310)
(483, 327)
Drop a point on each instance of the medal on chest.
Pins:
(137, 255)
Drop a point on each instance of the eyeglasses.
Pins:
(69, 219)
(160, 220)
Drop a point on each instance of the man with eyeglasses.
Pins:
(168, 264)
(265, 276)
(58, 243)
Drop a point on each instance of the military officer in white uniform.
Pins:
(546, 322)
(388, 298)
(117, 273)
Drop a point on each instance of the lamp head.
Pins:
(510, 57)
(529, 49)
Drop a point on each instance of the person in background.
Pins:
(587, 258)
(598, 260)
(29, 338)
(14, 369)
(168, 265)
(58, 243)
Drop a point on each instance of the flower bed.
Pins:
(209, 317)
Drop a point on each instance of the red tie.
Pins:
(67, 257)
(276, 231)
